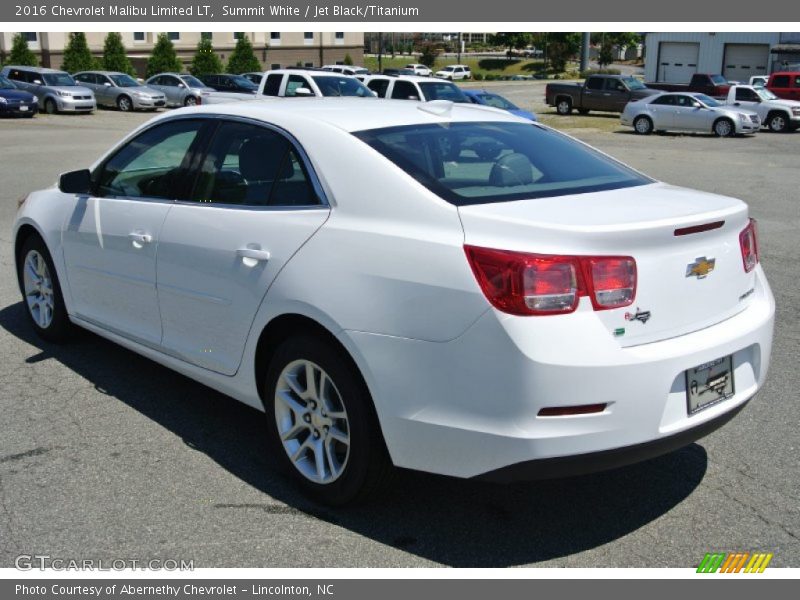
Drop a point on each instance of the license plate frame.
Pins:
(23, 108)
(709, 384)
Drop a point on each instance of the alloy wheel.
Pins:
(312, 422)
(723, 128)
(124, 103)
(777, 123)
(38, 286)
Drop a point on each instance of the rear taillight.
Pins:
(748, 240)
(538, 284)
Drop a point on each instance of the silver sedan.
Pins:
(181, 89)
(688, 112)
(121, 90)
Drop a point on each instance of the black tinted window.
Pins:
(664, 100)
(155, 164)
(405, 90)
(594, 83)
(272, 86)
(475, 163)
(746, 95)
(780, 81)
(252, 166)
(379, 86)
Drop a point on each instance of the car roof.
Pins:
(353, 114)
(34, 69)
(102, 72)
(418, 78)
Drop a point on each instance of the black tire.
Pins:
(50, 106)
(563, 106)
(125, 104)
(778, 122)
(190, 101)
(367, 467)
(643, 125)
(720, 130)
(583, 111)
(59, 328)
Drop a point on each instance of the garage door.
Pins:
(744, 60)
(677, 61)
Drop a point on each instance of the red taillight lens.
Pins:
(748, 240)
(535, 284)
(613, 281)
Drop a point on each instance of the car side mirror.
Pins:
(303, 91)
(181, 85)
(737, 103)
(107, 84)
(37, 82)
(75, 182)
(413, 97)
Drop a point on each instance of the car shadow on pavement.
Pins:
(449, 521)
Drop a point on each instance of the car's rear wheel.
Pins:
(724, 128)
(778, 122)
(125, 104)
(322, 423)
(190, 101)
(41, 291)
(564, 106)
(643, 125)
(50, 106)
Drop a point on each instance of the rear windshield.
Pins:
(441, 90)
(341, 86)
(482, 162)
(58, 79)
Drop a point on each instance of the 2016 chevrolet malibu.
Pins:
(441, 287)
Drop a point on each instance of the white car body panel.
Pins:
(456, 384)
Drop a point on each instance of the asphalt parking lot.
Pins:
(106, 455)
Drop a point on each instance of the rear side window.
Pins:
(780, 81)
(594, 83)
(442, 90)
(379, 86)
(482, 162)
(664, 101)
(250, 165)
(405, 90)
(746, 95)
(272, 86)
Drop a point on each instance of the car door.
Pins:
(593, 92)
(690, 115)
(661, 110)
(174, 89)
(111, 238)
(104, 94)
(379, 86)
(405, 90)
(615, 95)
(747, 98)
(255, 202)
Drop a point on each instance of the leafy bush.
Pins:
(205, 61)
(164, 59)
(478, 76)
(243, 59)
(115, 58)
(20, 54)
(587, 72)
(77, 56)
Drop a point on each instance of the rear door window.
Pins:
(594, 83)
(272, 86)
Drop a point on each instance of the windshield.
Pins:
(342, 86)
(708, 100)
(193, 82)
(481, 162)
(58, 79)
(765, 94)
(5, 84)
(497, 102)
(634, 84)
(124, 81)
(718, 80)
(438, 90)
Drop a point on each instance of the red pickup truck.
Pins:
(785, 85)
(715, 86)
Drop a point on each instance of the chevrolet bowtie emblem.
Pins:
(701, 267)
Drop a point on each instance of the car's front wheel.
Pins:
(724, 128)
(190, 101)
(125, 104)
(50, 106)
(41, 291)
(322, 423)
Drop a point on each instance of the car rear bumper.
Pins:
(471, 406)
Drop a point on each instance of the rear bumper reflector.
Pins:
(563, 411)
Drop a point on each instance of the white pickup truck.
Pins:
(777, 114)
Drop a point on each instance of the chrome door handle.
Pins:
(253, 253)
(139, 237)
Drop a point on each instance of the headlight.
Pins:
(3, 100)
(743, 117)
(796, 110)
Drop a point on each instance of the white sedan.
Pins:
(435, 286)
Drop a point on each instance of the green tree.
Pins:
(512, 41)
(164, 58)
(205, 61)
(348, 60)
(20, 53)
(243, 59)
(115, 57)
(428, 55)
(562, 46)
(77, 56)
(606, 55)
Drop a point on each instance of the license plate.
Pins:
(708, 384)
(23, 108)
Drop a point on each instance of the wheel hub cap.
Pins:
(312, 421)
(38, 288)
